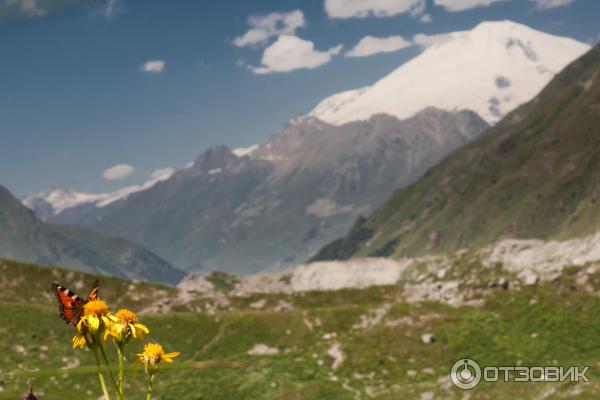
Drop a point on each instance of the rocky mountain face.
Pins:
(536, 174)
(280, 203)
(23, 236)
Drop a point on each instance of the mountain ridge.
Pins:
(24, 237)
(504, 184)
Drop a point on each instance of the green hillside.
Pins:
(552, 324)
(23, 236)
(534, 175)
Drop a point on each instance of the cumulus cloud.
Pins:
(461, 5)
(424, 40)
(153, 66)
(288, 53)
(548, 4)
(264, 27)
(375, 8)
(119, 171)
(162, 173)
(370, 45)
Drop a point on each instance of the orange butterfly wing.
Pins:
(70, 305)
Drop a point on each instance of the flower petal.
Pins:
(78, 341)
(142, 328)
(93, 323)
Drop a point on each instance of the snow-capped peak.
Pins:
(59, 199)
(490, 70)
(54, 201)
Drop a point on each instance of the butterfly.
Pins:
(70, 305)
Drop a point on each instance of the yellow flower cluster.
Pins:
(154, 354)
(125, 325)
(122, 326)
(95, 313)
(96, 324)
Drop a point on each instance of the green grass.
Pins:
(222, 281)
(550, 324)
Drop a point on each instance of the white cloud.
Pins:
(119, 171)
(290, 52)
(153, 66)
(370, 45)
(461, 5)
(376, 8)
(21, 9)
(429, 40)
(548, 4)
(28, 8)
(111, 8)
(264, 27)
(162, 173)
(426, 18)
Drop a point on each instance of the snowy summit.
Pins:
(490, 70)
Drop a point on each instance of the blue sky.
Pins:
(78, 96)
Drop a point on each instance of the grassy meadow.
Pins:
(378, 334)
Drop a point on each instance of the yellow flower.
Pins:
(81, 339)
(94, 312)
(154, 354)
(125, 325)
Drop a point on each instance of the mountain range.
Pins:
(276, 207)
(536, 174)
(277, 203)
(23, 236)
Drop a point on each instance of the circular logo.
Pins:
(465, 374)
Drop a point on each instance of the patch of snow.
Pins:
(162, 173)
(245, 151)
(125, 192)
(61, 199)
(215, 171)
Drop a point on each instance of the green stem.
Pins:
(112, 376)
(150, 386)
(121, 351)
(100, 376)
